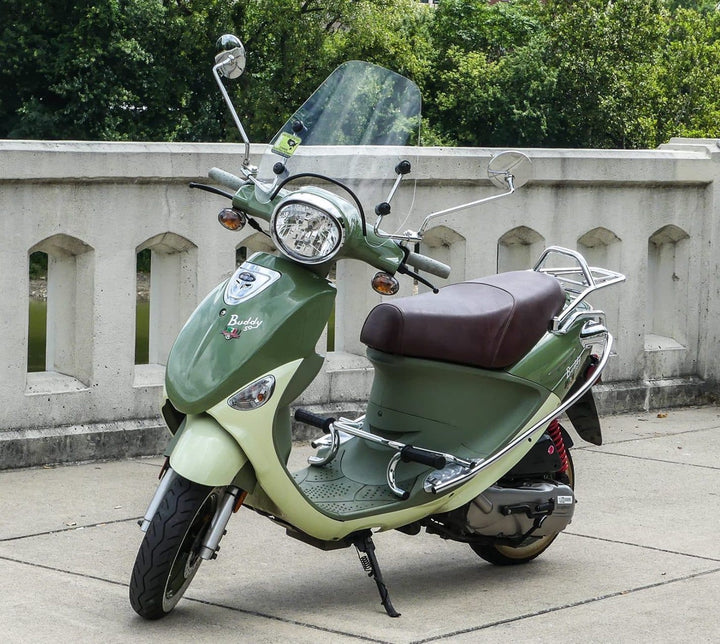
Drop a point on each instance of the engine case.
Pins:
(486, 515)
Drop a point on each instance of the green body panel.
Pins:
(439, 405)
(555, 361)
(465, 411)
(206, 453)
(282, 425)
(244, 199)
(468, 412)
(288, 317)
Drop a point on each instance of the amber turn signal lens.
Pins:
(231, 219)
(385, 284)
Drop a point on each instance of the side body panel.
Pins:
(278, 492)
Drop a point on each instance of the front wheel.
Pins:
(501, 555)
(169, 554)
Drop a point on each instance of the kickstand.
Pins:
(364, 544)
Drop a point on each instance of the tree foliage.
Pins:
(592, 73)
(586, 73)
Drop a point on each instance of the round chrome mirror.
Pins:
(510, 163)
(230, 56)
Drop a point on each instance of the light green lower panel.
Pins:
(206, 453)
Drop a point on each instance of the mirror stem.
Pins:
(448, 211)
(231, 107)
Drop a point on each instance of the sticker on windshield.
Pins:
(286, 144)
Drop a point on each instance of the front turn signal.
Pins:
(385, 284)
(231, 218)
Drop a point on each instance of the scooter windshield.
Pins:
(359, 104)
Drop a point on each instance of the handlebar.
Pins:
(226, 179)
(416, 260)
(427, 264)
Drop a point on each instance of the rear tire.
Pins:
(168, 557)
(512, 556)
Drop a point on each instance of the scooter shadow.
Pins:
(423, 582)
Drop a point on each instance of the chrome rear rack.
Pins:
(578, 281)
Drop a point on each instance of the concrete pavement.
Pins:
(639, 563)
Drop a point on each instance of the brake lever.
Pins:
(404, 270)
(216, 191)
(213, 189)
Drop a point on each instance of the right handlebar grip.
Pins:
(307, 417)
(226, 179)
(428, 264)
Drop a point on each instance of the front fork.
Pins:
(231, 501)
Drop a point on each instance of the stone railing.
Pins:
(651, 214)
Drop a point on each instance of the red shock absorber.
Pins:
(554, 431)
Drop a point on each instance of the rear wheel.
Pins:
(169, 554)
(501, 555)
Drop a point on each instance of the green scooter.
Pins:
(460, 435)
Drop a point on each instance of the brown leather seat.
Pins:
(490, 322)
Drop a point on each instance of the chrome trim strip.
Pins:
(444, 485)
(239, 290)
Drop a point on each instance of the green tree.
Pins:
(292, 46)
(593, 73)
(140, 69)
(110, 69)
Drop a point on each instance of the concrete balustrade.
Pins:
(651, 214)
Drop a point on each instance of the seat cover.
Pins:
(489, 322)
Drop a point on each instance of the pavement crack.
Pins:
(649, 437)
(71, 528)
(555, 609)
(61, 570)
(287, 620)
(644, 547)
(654, 460)
(284, 620)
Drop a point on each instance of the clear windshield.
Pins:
(359, 104)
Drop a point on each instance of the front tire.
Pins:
(168, 557)
(500, 555)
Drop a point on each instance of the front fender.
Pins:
(205, 453)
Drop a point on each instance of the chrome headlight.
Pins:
(307, 228)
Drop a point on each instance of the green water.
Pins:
(36, 336)
(38, 325)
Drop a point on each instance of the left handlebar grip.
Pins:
(321, 422)
(226, 179)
